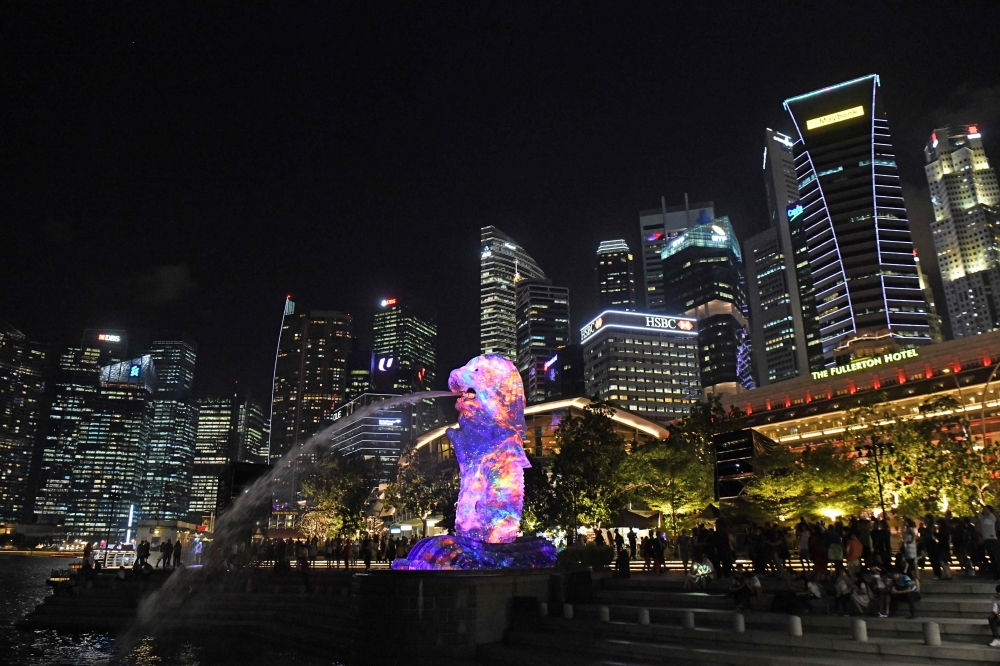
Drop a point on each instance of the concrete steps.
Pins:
(658, 643)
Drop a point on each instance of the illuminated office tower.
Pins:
(112, 441)
(251, 432)
(645, 363)
(170, 459)
(500, 260)
(542, 330)
(359, 374)
(77, 382)
(656, 227)
(966, 227)
(853, 224)
(405, 331)
(933, 318)
(783, 332)
(703, 279)
(22, 388)
(214, 448)
(615, 276)
(310, 374)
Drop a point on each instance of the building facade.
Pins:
(703, 278)
(966, 227)
(501, 260)
(310, 374)
(542, 330)
(615, 277)
(852, 221)
(382, 434)
(214, 448)
(644, 363)
(782, 332)
(656, 228)
(171, 453)
(107, 475)
(22, 393)
(406, 332)
(77, 382)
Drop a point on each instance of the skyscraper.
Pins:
(77, 382)
(252, 431)
(107, 473)
(966, 227)
(500, 260)
(643, 363)
(405, 331)
(615, 277)
(214, 450)
(853, 224)
(170, 458)
(703, 279)
(310, 374)
(656, 227)
(22, 388)
(542, 330)
(780, 334)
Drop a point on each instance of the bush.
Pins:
(585, 557)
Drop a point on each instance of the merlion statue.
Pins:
(488, 445)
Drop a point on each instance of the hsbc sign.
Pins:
(634, 320)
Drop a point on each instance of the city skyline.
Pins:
(231, 308)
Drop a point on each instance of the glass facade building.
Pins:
(500, 261)
(656, 228)
(643, 363)
(22, 389)
(966, 227)
(382, 434)
(615, 276)
(703, 278)
(542, 330)
(310, 374)
(111, 444)
(406, 332)
(170, 457)
(852, 224)
(781, 339)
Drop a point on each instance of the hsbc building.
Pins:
(645, 363)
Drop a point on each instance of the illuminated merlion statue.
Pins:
(491, 462)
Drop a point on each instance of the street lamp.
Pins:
(874, 448)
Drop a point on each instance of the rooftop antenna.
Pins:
(663, 207)
(687, 211)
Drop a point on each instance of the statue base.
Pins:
(455, 553)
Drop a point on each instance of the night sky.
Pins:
(185, 168)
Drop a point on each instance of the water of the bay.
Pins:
(22, 587)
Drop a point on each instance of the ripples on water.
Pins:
(22, 587)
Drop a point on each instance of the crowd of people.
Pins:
(335, 552)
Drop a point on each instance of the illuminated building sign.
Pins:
(794, 211)
(385, 363)
(839, 116)
(387, 423)
(974, 132)
(866, 363)
(109, 337)
(634, 320)
(386, 302)
(549, 363)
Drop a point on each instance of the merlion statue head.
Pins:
(490, 393)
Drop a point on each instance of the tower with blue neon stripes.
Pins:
(850, 225)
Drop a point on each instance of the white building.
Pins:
(501, 260)
(966, 228)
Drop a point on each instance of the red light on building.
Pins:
(928, 373)
(901, 376)
(201, 528)
(987, 361)
(749, 409)
(767, 403)
(973, 129)
(851, 388)
(809, 397)
(788, 402)
(956, 366)
(829, 394)
(876, 384)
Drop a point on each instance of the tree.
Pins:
(339, 493)
(669, 476)
(587, 487)
(789, 483)
(424, 487)
(539, 498)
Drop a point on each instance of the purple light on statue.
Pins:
(488, 445)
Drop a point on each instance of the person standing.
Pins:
(988, 529)
(909, 549)
(619, 542)
(944, 547)
(366, 552)
(177, 554)
(631, 543)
